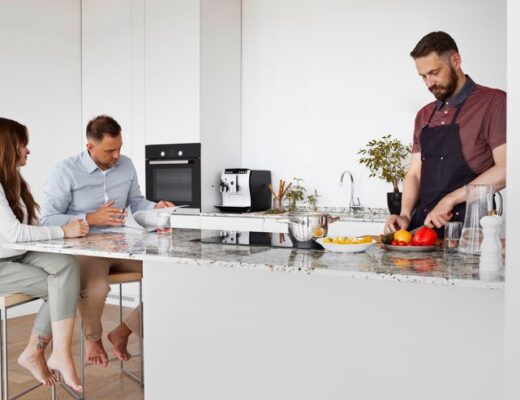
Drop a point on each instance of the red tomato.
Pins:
(395, 243)
(402, 243)
(424, 237)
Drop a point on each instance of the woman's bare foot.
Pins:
(96, 354)
(119, 339)
(34, 362)
(65, 365)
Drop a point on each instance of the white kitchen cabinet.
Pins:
(266, 224)
(275, 225)
(185, 221)
(355, 228)
(232, 223)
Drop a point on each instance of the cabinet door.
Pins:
(232, 223)
(274, 225)
(351, 228)
(185, 221)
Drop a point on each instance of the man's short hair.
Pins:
(101, 126)
(439, 42)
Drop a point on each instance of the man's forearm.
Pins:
(496, 176)
(410, 195)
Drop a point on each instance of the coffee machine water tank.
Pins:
(245, 190)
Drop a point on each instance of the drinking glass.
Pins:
(452, 232)
(163, 222)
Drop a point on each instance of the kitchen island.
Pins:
(240, 322)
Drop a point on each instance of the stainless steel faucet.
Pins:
(354, 204)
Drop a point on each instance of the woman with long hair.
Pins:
(51, 277)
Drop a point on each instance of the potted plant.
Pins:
(312, 200)
(295, 193)
(387, 159)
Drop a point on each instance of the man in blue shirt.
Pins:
(97, 185)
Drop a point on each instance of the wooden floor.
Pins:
(101, 383)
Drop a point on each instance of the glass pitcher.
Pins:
(480, 201)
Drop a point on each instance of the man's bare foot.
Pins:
(65, 365)
(33, 359)
(119, 339)
(96, 354)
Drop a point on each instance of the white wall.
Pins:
(322, 77)
(40, 79)
(512, 309)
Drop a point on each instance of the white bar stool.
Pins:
(8, 301)
(116, 278)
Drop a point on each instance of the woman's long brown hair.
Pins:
(13, 136)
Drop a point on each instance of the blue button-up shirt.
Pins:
(76, 186)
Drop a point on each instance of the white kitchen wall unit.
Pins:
(169, 71)
(172, 71)
(113, 70)
(193, 82)
(220, 94)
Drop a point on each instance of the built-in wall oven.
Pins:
(173, 173)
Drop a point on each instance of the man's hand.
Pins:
(396, 222)
(164, 204)
(441, 214)
(75, 228)
(106, 215)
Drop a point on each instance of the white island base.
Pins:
(228, 333)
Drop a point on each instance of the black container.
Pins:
(393, 200)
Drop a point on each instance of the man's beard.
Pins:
(443, 93)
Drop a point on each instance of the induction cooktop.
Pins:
(266, 239)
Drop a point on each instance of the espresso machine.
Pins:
(245, 190)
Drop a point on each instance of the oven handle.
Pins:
(168, 162)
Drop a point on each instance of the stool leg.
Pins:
(141, 332)
(121, 364)
(3, 339)
(82, 359)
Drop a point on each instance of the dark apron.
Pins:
(443, 169)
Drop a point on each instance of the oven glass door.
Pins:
(177, 181)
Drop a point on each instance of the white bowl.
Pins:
(345, 248)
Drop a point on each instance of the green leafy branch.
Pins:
(386, 159)
(296, 193)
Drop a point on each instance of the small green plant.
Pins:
(295, 194)
(386, 159)
(312, 200)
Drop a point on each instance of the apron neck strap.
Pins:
(457, 112)
(455, 116)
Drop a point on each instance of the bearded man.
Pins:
(459, 139)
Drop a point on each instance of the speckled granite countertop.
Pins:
(365, 215)
(433, 268)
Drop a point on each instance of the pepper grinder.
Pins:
(490, 248)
